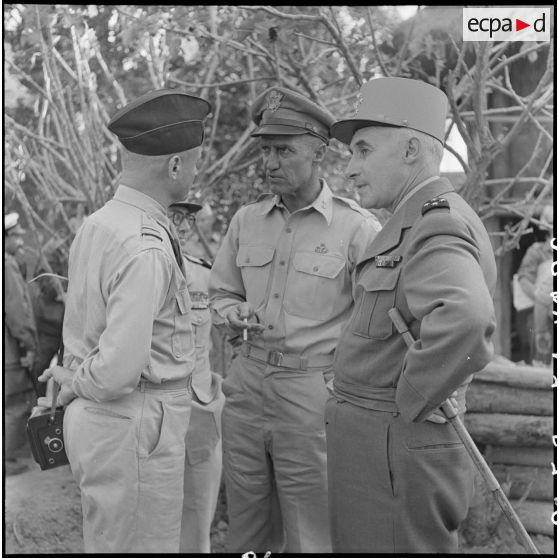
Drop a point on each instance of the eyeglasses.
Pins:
(177, 217)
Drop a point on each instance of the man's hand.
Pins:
(27, 360)
(438, 416)
(241, 312)
(62, 376)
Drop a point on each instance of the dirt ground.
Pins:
(43, 516)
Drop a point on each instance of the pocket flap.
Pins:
(183, 300)
(380, 279)
(314, 264)
(255, 256)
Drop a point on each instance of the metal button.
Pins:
(247, 260)
(276, 295)
(288, 229)
(269, 326)
(315, 268)
(282, 262)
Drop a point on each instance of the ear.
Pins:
(320, 153)
(174, 167)
(412, 150)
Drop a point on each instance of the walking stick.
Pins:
(477, 457)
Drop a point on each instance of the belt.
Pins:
(285, 360)
(168, 385)
(375, 399)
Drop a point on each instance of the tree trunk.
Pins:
(509, 430)
(516, 375)
(484, 397)
(535, 457)
(536, 517)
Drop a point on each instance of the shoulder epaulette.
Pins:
(435, 203)
(150, 228)
(199, 261)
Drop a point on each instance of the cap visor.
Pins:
(344, 130)
(193, 207)
(279, 130)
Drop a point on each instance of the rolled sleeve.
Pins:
(137, 293)
(446, 290)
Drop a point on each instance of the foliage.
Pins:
(71, 66)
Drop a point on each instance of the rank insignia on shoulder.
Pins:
(387, 261)
(435, 203)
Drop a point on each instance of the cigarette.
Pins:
(245, 330)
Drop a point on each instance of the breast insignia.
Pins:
(435, 203)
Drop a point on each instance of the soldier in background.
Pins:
(20, 345)
(203, 462)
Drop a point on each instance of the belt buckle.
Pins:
(275, 358)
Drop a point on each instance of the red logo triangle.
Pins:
(519, 24)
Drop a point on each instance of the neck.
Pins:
(303, 198)
(412, 181)
(151, 186)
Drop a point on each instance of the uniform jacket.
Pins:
(20, 334)
(128, 311)
(293, 268)
(439, 270)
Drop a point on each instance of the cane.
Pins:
(477, 457)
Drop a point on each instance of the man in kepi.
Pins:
(282, 278)
(128, 340)
(399, 478)
(203, 463)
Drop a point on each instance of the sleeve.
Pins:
(446, 290)
(18, 312)
(226, 287)
(137, 293)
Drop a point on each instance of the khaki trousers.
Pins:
(127, 456)
(274, 458)
(394, 487)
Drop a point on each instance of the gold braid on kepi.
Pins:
(279, 111)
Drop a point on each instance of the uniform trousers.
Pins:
(127, 456)
(394, 487)
(202, 475)
(274, 458)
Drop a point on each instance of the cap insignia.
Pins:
(274, 100)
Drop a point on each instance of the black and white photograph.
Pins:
(279, 279)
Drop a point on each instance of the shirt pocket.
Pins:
(182, 338)
(376, 298)
(255, 265)
(313, 285)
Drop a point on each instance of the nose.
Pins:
(271, 160)
(351, 171)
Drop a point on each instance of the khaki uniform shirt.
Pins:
(293, 268)
(438, 270)
(127, 308)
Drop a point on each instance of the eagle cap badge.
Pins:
(274, 100)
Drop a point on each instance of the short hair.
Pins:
(433, 149)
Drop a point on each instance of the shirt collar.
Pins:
(414, 190)
(322, 204)
(142, 201)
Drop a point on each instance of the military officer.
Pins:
(20, 345)
(283, 276)
(203, 463)
(399, 478)
(128, 339)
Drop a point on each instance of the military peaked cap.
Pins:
(188, 206)
(394, 101)
(161, 122)
(279, 111)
